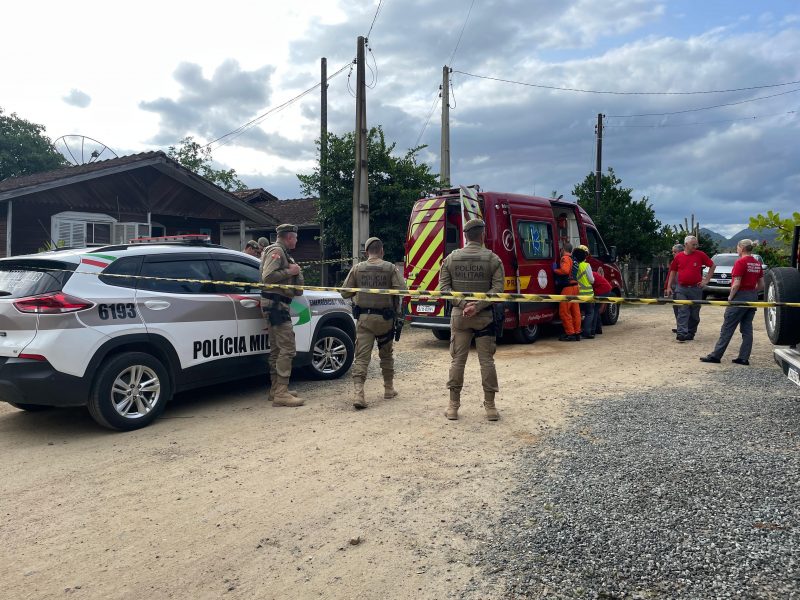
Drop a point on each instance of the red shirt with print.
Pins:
(600, 285)
(750, 270)
(690, 267)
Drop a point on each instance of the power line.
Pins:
(463, 27)
(375, 18)
(791, 112)
(688, 110)
(613, 93)
(255, 121)
(430, 114)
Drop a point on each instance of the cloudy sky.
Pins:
(144, 76)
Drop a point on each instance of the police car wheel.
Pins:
(130, 391)
(610, 315)
(526, 335)
(332, 354)
(441, 334)
(782, 284)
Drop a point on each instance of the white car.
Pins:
(720, 284)
(73, 333)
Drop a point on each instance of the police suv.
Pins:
(112, 329)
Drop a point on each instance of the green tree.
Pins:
(676, 234)
(628, 224)
(395, 183)
(773, 220)
(198, 158)
(774, 257)
(24, 149)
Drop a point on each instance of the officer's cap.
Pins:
(263, 242)
(369, 241)
(286, 228)
(474, 224)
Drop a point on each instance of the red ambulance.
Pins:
(526, 232)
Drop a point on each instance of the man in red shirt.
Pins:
(602, 288)
(687, 266)
(747, 280)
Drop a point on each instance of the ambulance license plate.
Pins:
(425, 308)
(794, 376)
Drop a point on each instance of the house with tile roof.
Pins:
(115, 200)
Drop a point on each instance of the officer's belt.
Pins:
(276, 297)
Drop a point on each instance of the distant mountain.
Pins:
(729, 244)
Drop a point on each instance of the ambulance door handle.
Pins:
(156, 304)
(249, 302)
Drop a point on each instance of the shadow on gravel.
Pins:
(667, 493)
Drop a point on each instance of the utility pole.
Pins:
(598, 171)
(445, 153)
(323, 161)
(361, 174)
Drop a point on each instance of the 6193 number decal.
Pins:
(117, 311)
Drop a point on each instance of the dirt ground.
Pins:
(226, 496)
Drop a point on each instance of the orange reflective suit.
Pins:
(570, 312)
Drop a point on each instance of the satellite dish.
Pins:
(83, 150)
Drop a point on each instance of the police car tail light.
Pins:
(50, 304)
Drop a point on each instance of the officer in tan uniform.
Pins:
(472, 269)
(376, 314)
(277, 267)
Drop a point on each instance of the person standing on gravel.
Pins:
(569, 312)
(676, 249)
(277, 267)
(376, 316)
(472, 268)
(747, 280)
(687, 267)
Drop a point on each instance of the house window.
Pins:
(125, 232)
(77, 230)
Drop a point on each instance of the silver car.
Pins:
(720, 283)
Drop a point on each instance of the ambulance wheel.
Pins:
(441, 334)
(611, 314)
(527, 335)
(130, 391)
(782, 284)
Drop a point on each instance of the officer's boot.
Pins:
(488, 404)
(282, 397)
(358, 393)
(388, 387)
(455, 402)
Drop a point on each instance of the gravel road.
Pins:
(675, 492)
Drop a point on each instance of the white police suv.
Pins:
(84, 327)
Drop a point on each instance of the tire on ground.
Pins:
(611, 314)
(101, 403)
(335, 337)
(441, 334)
(782, 284)
(526, 335)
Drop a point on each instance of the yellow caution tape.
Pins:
(445, 295)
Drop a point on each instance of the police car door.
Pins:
(197, 320)
(246, 299)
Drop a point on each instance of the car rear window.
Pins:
(19, 279)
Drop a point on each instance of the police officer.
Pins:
(277, 267)
(376, 314)
(472, 269)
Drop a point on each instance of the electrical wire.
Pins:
(463, 27)
(375, 71)
(663, 125)
(428, 120)
(255, 121)
(375, 18)
(567, 89)
(453, 94)
(688, 110)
